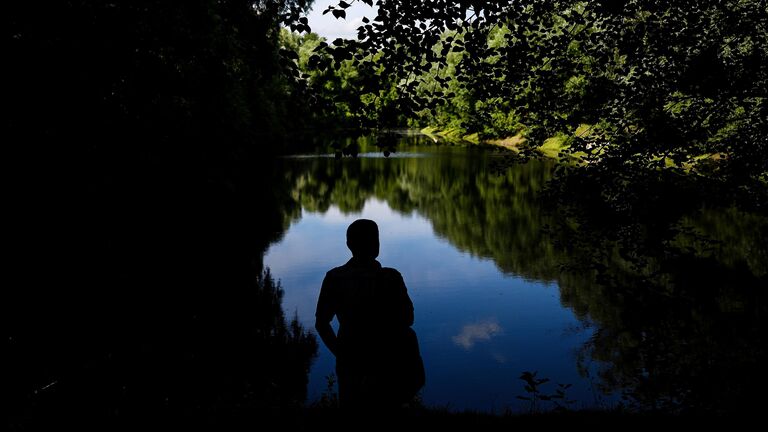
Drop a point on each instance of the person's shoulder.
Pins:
(336, 271)
(390, 272)
(340, 271)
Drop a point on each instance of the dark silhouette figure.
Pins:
(377, 354)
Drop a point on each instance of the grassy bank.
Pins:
(558, 147)
(550, 148)
(451, 135)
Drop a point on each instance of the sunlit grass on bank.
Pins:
(560, 148)
(450, 134)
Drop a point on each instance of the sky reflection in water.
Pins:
(478, 328)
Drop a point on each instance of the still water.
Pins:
(479, 326)
(496, 293)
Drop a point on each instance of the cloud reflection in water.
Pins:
(475, 332)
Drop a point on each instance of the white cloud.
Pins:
(391, 224)
(333, 216)
(329, 27)
(479, 331)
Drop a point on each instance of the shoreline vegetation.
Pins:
(558, 148)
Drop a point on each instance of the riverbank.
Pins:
(558, 148)
(550, 148)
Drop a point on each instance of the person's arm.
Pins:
(405, 304)
(409, 312)
(407, 308)
(327, 334)
(324, 314)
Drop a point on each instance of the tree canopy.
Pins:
(640, 83)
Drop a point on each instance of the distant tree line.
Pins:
(633, 83)
(637, 83)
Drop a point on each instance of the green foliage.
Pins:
(330, 397)
(674, 81)
(333, 94)
(552, 147)
(533, 387)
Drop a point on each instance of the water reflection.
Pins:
(476, 332)
(671, 324)
(448, 234)
(451, 291)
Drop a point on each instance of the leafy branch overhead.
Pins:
(641, 82)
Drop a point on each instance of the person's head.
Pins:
(363, 239)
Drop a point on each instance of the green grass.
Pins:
(473, 138)
(552, 146)
(451, 134)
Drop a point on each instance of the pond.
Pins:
(492, 291)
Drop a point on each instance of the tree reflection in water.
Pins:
(672, 279)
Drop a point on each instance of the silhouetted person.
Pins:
(377, 355)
